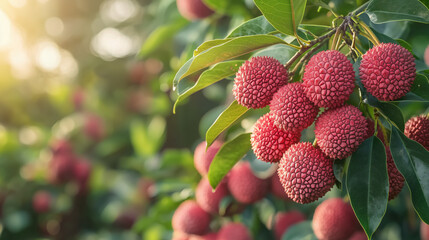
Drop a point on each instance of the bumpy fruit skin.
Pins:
(244, 186)
(291, 108)
(284, 220)
(305, 173)
(209, 200)
(396, 180)
(358, 236)
(190, 218)
(193, 9)
(42, 201)
(257, 80)
(269, 142)
(424, 231)
(334, 220)
(387, 71)
(277, 188)
(234, 231)
(203, 158)
(328, 79)
(417, 129)
(340, 131)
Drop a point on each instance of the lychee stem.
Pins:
(369, 31)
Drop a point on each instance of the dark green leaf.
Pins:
(284, 15)
(300, 231)
(412, 160)
(390, 110)
(280, 52)
(381, 11)
(229, 154)
(420, 87)
(230, 49)
(255, 26)
(368, 184)
(225, 119)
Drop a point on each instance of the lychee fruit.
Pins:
(78, 99)
(305, 173)
(244, 186)
(234, 231)
(284, 220)
(270, 142)
(61, 169)
(94, 127)
(208, 199)
(328, 79)
(396, 180)
(193, 9)
(42, 201)
(387, 71)
(424, 231)
(208, 236)
(360, 235)
(334, 219)
(257, 80)
(371, 130)
(417, 129)
(340, 131)
(190, 218)
(126, 219)
(203, 158)
(81, 172)
(291, 108)
(277, 188)
(61, 147)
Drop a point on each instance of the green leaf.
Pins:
(160, 35)
(300, 231)
(368, 184)
(390, 110)
(229, 154)
(231, 7)
(209, 77)
(255, 26)
(411, 159)
(147, 138)
(225, 119)
(280, 52)
(230, 49)
(420, 86)
(381, 11)
(284, 15)
(209, 44)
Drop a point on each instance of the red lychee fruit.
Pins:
(328, 79)
(424, 231)
(257, 80)
(42, 201)
(270, 142)
(417, 129)
(305, 173)
(61, 147)
(208, 236)
(180, 236)
(284, 220)
(190, 218)
(387, 71)
(371, 130)
(126, 219)
(234, 231)
(193, 9)
(334, 220)
(426, 56)
(203, 158)
(277, 187)
(360, 235)
(244, 186)
(396, 180)
(291, 108)
(81, 173)
(340, 131)
(94, 127)
(61, 169)
(78, 99)
(208, 199)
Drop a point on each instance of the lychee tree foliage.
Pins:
(353, 77)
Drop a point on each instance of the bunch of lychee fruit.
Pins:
(387, 72)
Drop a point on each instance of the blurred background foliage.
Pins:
(95, 78)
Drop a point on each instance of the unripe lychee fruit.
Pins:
(329, 79)
(334, 220)
(277, 188)
(244, 186)
(291, 108)
(193, 9)
(234, 231)
(424, 231)
(190, 218)
(284, 220)
(340, 131)
(417, 129)
(208, 199)
(305, 173)
(360, 235)
(257, 80)
(396, 180)
(42, 201)
(203, 158)
(270, 142)
(387, 71)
